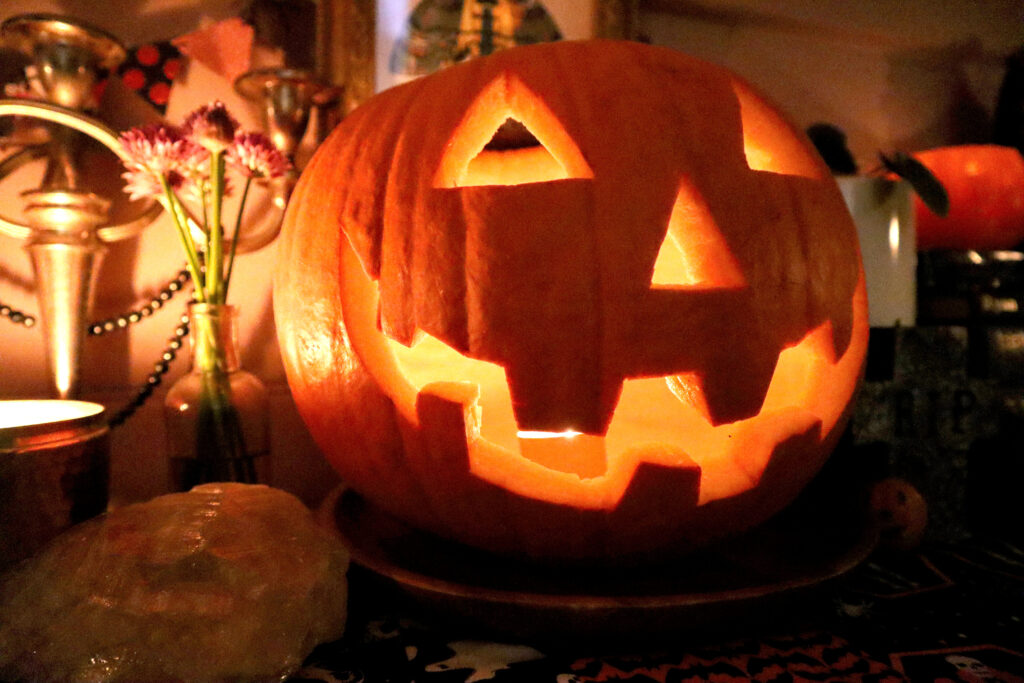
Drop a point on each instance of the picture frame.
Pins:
(351, 47)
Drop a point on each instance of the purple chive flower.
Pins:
(142, 184)
(158, 152)
(159, 149)
(211, 126)
(255, 156)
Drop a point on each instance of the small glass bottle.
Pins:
(216, 416)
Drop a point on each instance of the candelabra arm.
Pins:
(18, 158)
(97, 131)
(254, 236)
(116, 233)
(263, 233)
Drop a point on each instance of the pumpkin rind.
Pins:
(553, 281)
(985, 184)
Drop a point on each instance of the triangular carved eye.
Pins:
(514, 156)
(694, 253)
(509, 137)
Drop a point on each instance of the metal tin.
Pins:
(54, 471)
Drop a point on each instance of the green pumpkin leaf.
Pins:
(924, 182)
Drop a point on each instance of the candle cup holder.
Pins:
(54, 471)
(68, 56)
(286, 98)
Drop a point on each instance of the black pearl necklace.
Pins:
(160, 368)
(121, 322)
(16, 316)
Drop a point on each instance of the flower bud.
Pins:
(211, 126)
(255, 156)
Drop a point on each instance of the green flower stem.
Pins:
(181, 223)
(209, 352)
(204, 203)
(234, 237)
(220, 442)
(215, 262)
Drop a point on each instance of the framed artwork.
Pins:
(370, 45)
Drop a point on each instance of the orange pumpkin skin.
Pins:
(706, 395)
(985, 184)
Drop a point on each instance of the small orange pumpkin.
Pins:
(900, 511)
(985, 184)
(637, 322)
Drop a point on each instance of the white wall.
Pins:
(894, 74)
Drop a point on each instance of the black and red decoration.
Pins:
(150, 71)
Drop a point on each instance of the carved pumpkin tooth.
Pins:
(735, 389)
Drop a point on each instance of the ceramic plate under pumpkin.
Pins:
(765, 576)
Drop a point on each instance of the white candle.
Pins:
(14, 414)
(883, 211)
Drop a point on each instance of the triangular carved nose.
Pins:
(695, 254)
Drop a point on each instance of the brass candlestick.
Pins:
(66, 228)
(286, 98)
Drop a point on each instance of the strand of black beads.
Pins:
(155, 378)
(16, 316)
(122, 322)
(96, 329)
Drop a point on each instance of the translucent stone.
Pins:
(228, 582)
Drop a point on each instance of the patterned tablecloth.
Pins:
(951, 612)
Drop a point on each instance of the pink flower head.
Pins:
(255, 156)
(158, 152)
(211, 126)
(159, 149)
(141, 184)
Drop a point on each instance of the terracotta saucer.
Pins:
(753, 579)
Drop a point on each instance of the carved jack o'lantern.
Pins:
(636, 322)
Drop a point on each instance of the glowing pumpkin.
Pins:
(639, 325)
(985, 184)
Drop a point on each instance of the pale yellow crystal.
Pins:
(228, 582)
